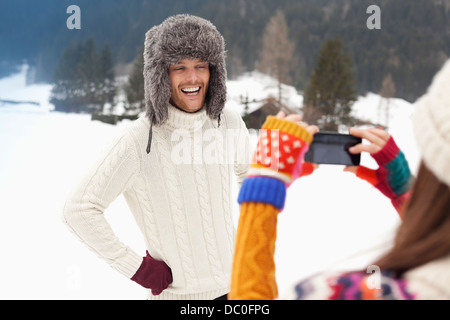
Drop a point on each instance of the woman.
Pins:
(417, 266)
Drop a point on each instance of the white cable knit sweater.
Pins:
(180, 196)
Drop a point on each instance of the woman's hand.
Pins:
(377, 140)
(393, 177)
(376, 137)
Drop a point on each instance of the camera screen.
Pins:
(332, 148)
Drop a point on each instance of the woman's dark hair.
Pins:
(424, 234)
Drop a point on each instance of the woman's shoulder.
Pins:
(356, 285)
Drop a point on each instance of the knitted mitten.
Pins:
(153, 274)
(307, 169)
(277, 162)
(393, 177)
(280, 150)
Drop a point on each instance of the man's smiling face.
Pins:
(189, 84)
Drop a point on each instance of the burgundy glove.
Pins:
(153, 274)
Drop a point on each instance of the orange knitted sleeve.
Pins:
(253, 275)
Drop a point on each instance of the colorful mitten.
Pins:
(277, 162)
(153, 274)
(307, 169)
(393, 177)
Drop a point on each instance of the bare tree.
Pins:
(387, 92)
(277, 51)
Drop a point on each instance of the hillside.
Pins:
(412, 43)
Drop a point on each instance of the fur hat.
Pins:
(431, 123)
(182, 37)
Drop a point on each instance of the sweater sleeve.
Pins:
(253, 275)
(242, 152)
(83, 212)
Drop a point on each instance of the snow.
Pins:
(331, 220)
(255, 87)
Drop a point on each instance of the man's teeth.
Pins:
(192, 90)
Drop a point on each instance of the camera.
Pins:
(332, 148)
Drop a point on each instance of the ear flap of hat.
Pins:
(156, 80)
(217, 93)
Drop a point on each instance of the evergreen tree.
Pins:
(89, 73)
(84, 80)
(66, 93)
(331, 89)
(107, 84)
(134, 88)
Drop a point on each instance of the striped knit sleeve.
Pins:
(393, 177)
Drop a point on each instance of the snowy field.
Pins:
(332, 220)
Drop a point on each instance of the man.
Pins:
(174, 167)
